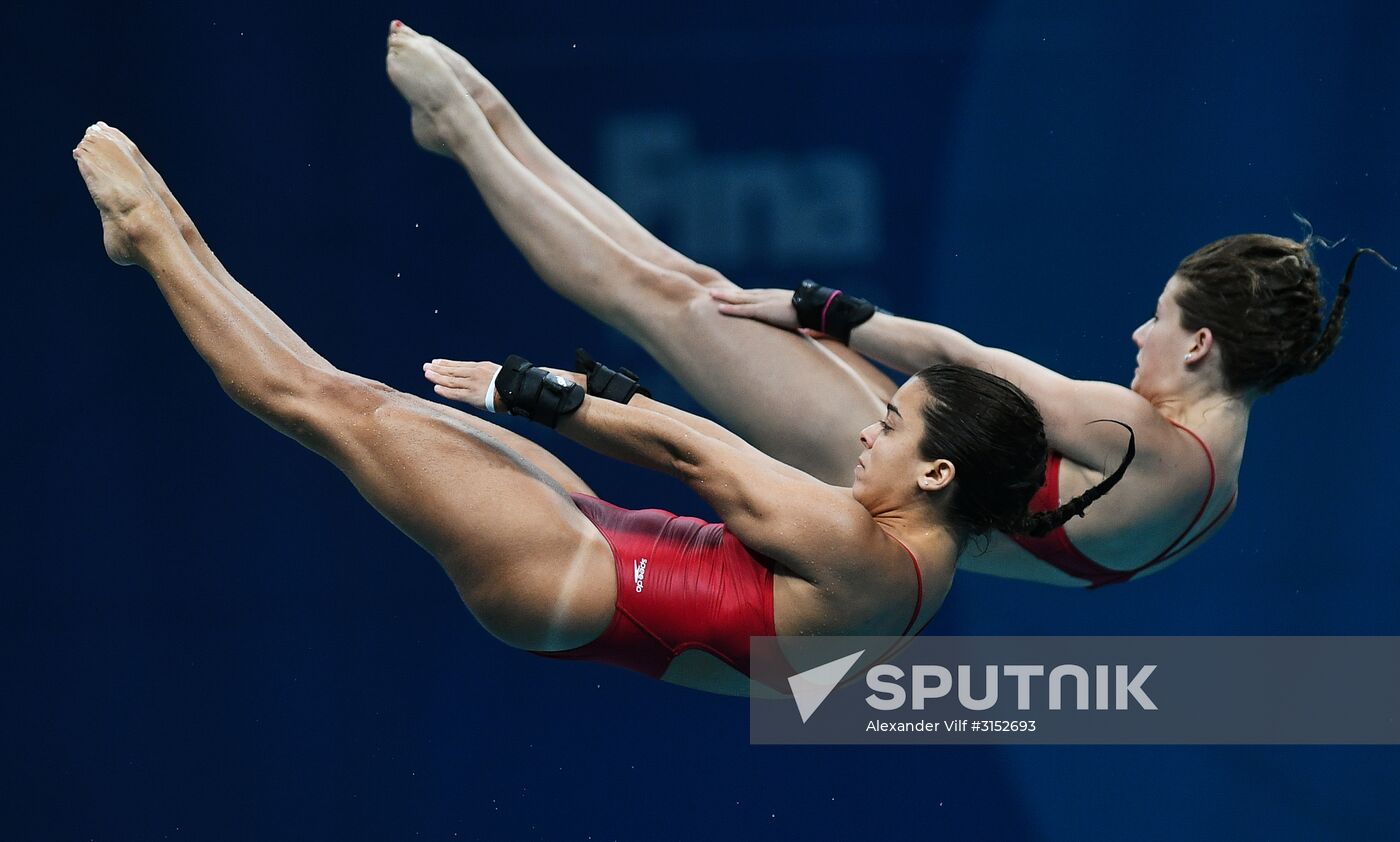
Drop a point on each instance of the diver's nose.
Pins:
(1138, 334)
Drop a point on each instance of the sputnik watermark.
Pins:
(812, 687)
(1076, 690)
(890, 694)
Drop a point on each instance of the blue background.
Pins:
(207, 635)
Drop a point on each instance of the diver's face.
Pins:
(889, 468)
(1163, 346)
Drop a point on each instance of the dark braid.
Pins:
(1036, 524)
(1313, 357)
(1259, 295)
(995, 437)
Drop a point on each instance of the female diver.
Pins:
(541, 563)
(1236, 319)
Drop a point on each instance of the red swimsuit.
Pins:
(682, 583)
(1056, 548)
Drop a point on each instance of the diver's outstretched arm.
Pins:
(902, 344)
(1068, 406)
(703, 426)
(806, 524)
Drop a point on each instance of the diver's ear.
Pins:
(937, 476)
(1202, 341)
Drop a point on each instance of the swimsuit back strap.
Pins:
(1172, 549)
(1204, 532)
(919, 584)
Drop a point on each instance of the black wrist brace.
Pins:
(535, 393)
(830, 311)
(603, 382)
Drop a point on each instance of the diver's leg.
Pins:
(261, 314)
(562, 179)
(603, 212)
(781, 391)
(205, 255)
(529, 565)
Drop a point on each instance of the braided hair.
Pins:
(1259, 296)
(995, 436)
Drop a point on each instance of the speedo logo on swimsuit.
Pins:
(639, 570)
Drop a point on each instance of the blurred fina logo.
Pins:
(774, 208)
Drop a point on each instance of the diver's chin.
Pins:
(1142, 389)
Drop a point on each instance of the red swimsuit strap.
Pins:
(1204, 532)
(1172, 549)
(919, 583)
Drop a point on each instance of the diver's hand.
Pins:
(463, 381)
(467, 381)
(773, 306)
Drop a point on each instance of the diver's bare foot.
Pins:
(177, 212)
(131, 211)
(424, 79)
(476, 85)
